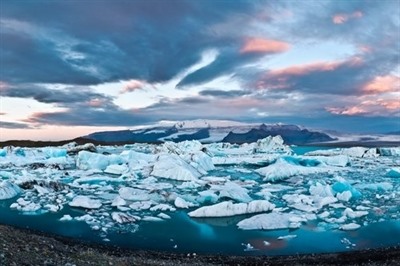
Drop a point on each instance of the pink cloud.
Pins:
(343, 18)
(381, 84)
(96, 103)
(368, 107)
(261, 45)
(133, 85)
(304, 69)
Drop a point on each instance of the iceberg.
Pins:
(394, 172)
(171, 166)
(271, 145)
(89, 160)
(394, 151)
(85, 202)
(286, 167)
(123, 218)
(54, 152)
(227, 208)
(8, 190)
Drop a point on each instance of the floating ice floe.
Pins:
(349, 227)
(359, 152)
(228, 208)
(85, 202)
(271, 221)
(116, 169)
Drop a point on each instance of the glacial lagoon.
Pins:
(161, 197)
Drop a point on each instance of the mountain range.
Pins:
(207, 131)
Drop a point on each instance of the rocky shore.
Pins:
(27, 247)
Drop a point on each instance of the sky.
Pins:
(68, 68)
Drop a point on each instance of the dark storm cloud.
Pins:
(223, 94)
(65, 96)
(14, 125)
(93, 42)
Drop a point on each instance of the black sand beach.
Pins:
(26, 247)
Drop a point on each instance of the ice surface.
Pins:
(228, 208)
(8, 190)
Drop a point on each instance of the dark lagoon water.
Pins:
(211, 235)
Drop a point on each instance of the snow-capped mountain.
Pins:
(208, 131)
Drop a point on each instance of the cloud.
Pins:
(343, 18)
(261, 45)
(14, 125)
(104, 43)
(69, 95)
(336, 77)
(382, 84)
(223, 94)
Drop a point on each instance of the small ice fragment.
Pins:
(287, 237)
(66, 217)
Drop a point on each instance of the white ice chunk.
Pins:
(85, 202)
(122, 218)
(227, 208)
(128, 193)
(354, 214)
(172, 166)
(116, 169)
(267, 221)
(141, 205)
(344, 196)
(66, 217)
(181, 203)
(350, 226)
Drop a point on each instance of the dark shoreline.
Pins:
(28, 247)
